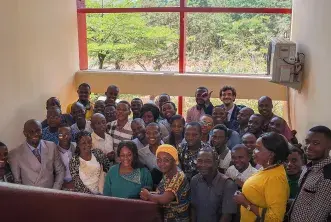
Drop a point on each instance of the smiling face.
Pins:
(33, 132)
(99, 107)
(219, 115)
(99, 124)
(78, 112)
(153, 135)
(205, 163)
(111, 94)
(126, 157)
(294, 164)
(218, 138)
(85, 145)
(192, 135)
(165, 162)
(255, 124)
(54, 117)
(84, 93)
(168, 110)
(177, 127)
(265, 107)
(200, 94)
(122, 111)
(227, 97)
(244, 115)
(317, 146)
(136, 106)
(138, 130)
(277, 125)
(148, 117)
(240, 158)
(207, 124)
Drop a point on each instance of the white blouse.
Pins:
(89, 173)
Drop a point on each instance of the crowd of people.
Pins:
(219, 163)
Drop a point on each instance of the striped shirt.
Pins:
(120, 134)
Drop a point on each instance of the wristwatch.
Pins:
(248, 207)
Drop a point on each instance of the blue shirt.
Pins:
(49, 136)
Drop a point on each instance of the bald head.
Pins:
(138, 120)
(97, 117)
(244, 115)
(153, 125)
(31, 123)
(33, 132)
(99, 124)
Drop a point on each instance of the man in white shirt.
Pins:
(78, 112)
(242, 169)
(139, 133)
(100, 139)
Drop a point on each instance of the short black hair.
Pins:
(209, 149)
(133, 148)
(164, 94)
(172, 140)
(56, 101)
(78, 137)
(154, 124)
(125, 102)
(323, 130)
(226, 88)
(84, 85)
(2, 144)
(293, 149)
(137, 99)
(202, 88)
(173, 104)
(240, 146)
(152, 108)
(195, 124)
(221, 127)
(277, 144)
(108, 105)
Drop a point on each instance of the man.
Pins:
(265, 107)
(100, 139)
(136, 105)
(242, 119)
(241, 169)
(228, 96)
(139, 133)
(78, 112)
(189, 149)
(110, 113)
(5, 171)
(203, 106)
(249, 140)
(37, 162)
(66, 150)
(219, 115)
(112, 94)
(255, 125)
(219, 138)
(313, 201)
(163, 98)
(211, 191)
(120, 129)
(207, 123)
(84, 92)
(99, 107)
(295, 162)
(50, 133)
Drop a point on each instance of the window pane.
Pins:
(133, 41)
(130, 3)
(241, 3)
(232, 43)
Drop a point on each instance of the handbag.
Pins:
(262, 217)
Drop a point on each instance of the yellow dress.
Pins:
(89, 112)
(267, 189)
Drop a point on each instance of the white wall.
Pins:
(311, 29)
(38, 59)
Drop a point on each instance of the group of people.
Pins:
(220, 163)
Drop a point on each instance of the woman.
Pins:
(174, 190)
(87, 166)
(169, 109)
(177, 125)
(150, 113)
(265, 193)
(126, 179)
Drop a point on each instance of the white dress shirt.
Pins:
(230, 113)
(75, 130)
(225, 163)
(105, 145)
(234, 174)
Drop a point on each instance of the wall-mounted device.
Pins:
(284, 63)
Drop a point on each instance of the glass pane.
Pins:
(241, 3)
(232, 43)
(130, 3)
(133, 41)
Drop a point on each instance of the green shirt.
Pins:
(294, 187)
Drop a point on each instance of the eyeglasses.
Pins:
(206, 123)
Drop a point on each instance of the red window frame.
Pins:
(182, 10)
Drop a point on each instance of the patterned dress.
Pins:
(178, 210)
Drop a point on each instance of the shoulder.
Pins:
(49, 144)
(15, 152)
(113, 168)
(97, 153)
(195, 179)
(327, 171)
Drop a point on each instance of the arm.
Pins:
(107, 186)
(102, 159)
(161, 199)
(15, 167)
(58, 169)
(229, 207)
(74, 171)
(226, 218)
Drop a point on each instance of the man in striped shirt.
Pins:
(120, 129)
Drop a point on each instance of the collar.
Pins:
(63, 151)
(95, 136)
(319, 165)
(231, 110)
(215, 179)
(33, 148)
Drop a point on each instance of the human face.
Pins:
(165, 162)
(78, 112)
(243, 117)
(53, 102)
(99, 124)
(112, 94)
(240, 159)
(207, 124)
(317, 146)
(64, 136)
(249, 140)
(255, 124)
(192, 135)
(33, 133)
(148, 117)
(84, 93)
(153, 135)
(138, 130)
(126, 157)
(85, 145)
(136, 106)
(261, 154)
(200, 94)
(277, 125)
(162, 100)
(265, 107)
(3, 154)
(53, 117)
(227, 97)
(294, 164)
(177, 127)
(110, 113)
(219, 115)
(99, 107)
(205, 163)
(218, 138)
(122, 111)
(168, 110)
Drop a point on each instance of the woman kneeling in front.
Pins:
(265, 193)
(126, 179)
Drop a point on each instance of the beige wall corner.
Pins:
(38, 59)
(311, 30)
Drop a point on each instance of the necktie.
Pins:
(36, 153)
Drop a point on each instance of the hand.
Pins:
(240, 199)
(239, 182)
(144, 194)
(68, 185)
(206, 96)
(111, 155)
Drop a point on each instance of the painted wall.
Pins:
(38, 59)
(311, 29)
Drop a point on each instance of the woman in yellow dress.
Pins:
(265, 194)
